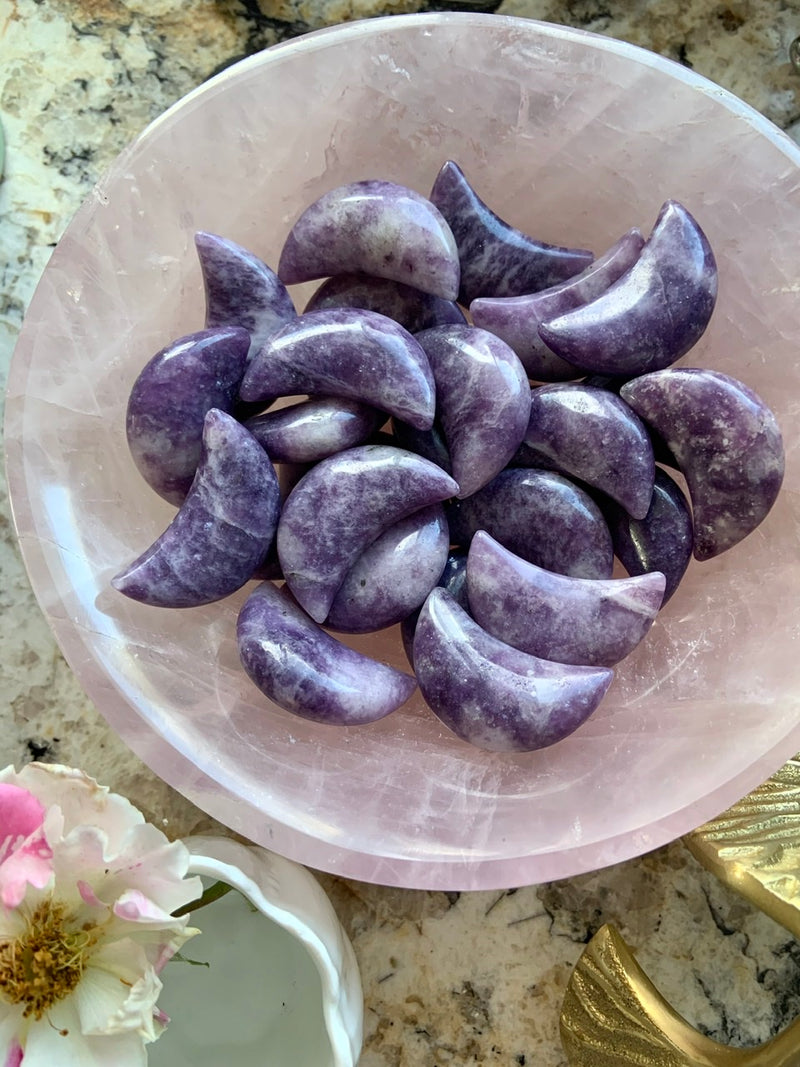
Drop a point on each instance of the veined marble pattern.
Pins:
(448, 978)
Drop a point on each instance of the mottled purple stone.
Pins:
(169, 402)
(567, 620)
(308, 672)
(350, 353)
(314, 429)
(613, 385)
(454, 579)
(241, 290)
(288, 474)
(411, 308)
(224, 528)
(341, 506)
(496, 259)
(594, 436)
(428, 443)
(483, 400)
(653, 314)
(661, 541)
(378, 228)
(392, 577)
(492, 695)
(727, 444)
(516, 318)
(542, 517)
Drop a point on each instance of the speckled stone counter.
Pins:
(448, 978)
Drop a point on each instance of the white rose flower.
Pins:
(87, 891)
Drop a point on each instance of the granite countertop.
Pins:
(448, 978)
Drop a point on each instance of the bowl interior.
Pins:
(571, 137)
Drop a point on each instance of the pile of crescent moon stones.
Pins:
(416, 476)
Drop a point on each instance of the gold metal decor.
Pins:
(754, 847)
(613, 1015)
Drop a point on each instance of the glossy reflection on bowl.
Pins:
(571, 137)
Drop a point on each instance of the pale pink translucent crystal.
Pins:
(570, 137)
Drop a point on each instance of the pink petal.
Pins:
(135, 906)
(88, 895)
(160, 1016)
(29, 864)
(165, 954)
(25, 856)
(20, 815)
(15, 1054)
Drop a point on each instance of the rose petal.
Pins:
(14, 1057)
(24, 853)
(148, 863)
(135, 906)
(46, 1047)
(118, 991)
(20, 814)
(30, 863)
(88, 895)
(56, 1039)
(161, 1017)
(79, 797)
(12, 1032)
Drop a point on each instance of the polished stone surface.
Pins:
(450, 978)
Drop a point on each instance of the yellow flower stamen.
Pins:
(46, 963)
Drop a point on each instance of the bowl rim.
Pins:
(212, 794)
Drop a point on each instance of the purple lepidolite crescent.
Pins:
(581, 621)
(541, 516)
(516, 318)
(454, 579)
(497, 259)
(341, 506)
(350, 353)
(373, 227)
(411, 308)
(241, 290)
(314, 429)
(223, 530)
(653, 314)
(170, 399)
(493, 695)
(661, 541)
(394, 574)
(306, 671)
(483, 400)
(594, 436)
(726, 442)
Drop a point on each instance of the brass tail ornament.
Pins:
(613, 1015)
(754, 847)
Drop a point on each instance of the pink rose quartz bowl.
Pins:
(572, 137)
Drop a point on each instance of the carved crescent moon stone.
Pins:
(497, 259)
(340, 507)
(306, 671)
(653, 314)
(374, 227)
(223, 530)
(350, 353)
(483, 401)
(492, 695)
(241, 290)
(568, 620)
(726, 442)
(170, 399)
(516, 318)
